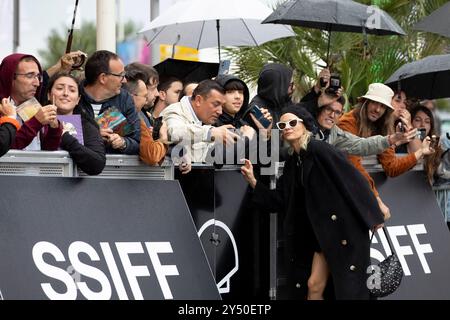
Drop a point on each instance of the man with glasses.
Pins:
(102, 89)
(20, 81)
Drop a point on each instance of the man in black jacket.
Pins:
(102, 89)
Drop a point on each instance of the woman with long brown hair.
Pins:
(374, 116)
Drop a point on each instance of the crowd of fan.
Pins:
(215, 121)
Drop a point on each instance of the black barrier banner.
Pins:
(229, 230)
(66, 238)
(419, 235)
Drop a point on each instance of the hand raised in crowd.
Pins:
(326, 99)
(247, 172)
(66, 62)
(325, 74)
(405, 117)
(47, 115)
(425, 149)
(7, 109)
(224, 134)
(266, 115)
(400, 137)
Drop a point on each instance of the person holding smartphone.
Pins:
(434, 167)
(236, 110)
(330, 236)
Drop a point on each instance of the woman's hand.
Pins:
(384, 209)
(7, 109)
(247, 172)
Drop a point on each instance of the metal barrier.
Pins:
(37, 163)
(59, 164)
(130, 167)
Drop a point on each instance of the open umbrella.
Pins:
(187, 71)
(437, 22)
(427, 78)
(209, 23)
(335, 15)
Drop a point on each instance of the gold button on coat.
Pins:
(298, 285)
(334, 217)
(352, 268)
(344, 242)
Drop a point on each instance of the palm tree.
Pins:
(358, 65)
(83, 39)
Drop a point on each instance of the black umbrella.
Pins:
(437, 22)
(428, 78)
(187, 71)
(335, 15)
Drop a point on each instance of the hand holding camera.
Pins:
(73, 60)
(323, 81)
(334, 85)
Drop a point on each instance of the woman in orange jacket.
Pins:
(374, 116)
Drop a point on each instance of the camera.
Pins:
(335, 84)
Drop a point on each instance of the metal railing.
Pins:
(59, 164)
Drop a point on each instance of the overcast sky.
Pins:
(38, 18)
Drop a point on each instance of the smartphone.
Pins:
(157, 123)
(260, 116)
(399, 124)
(224, 67)
(421, 133)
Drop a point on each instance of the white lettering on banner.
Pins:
(39, 249)
(73, 284)
(82, 247)
(162, 272)
(403, 250)
(132, 272)
(115, 275)
(421, 249)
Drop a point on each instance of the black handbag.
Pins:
(385, 277)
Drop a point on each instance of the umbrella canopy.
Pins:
(437, 22)
(209, 23)
(335, 15)
(427, 78)
(187, 71)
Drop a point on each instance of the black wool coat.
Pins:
(334, 196)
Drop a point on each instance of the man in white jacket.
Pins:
(189, 122)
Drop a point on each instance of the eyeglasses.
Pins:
(329, 110)
(121, 75)
(31, 75)
(289, 124)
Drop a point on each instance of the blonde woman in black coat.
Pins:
(327, 210)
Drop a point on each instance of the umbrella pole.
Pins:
(218, 36)
(328, 48)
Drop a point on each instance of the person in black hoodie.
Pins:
(63, 92)
(275, 88)
(236, 111)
